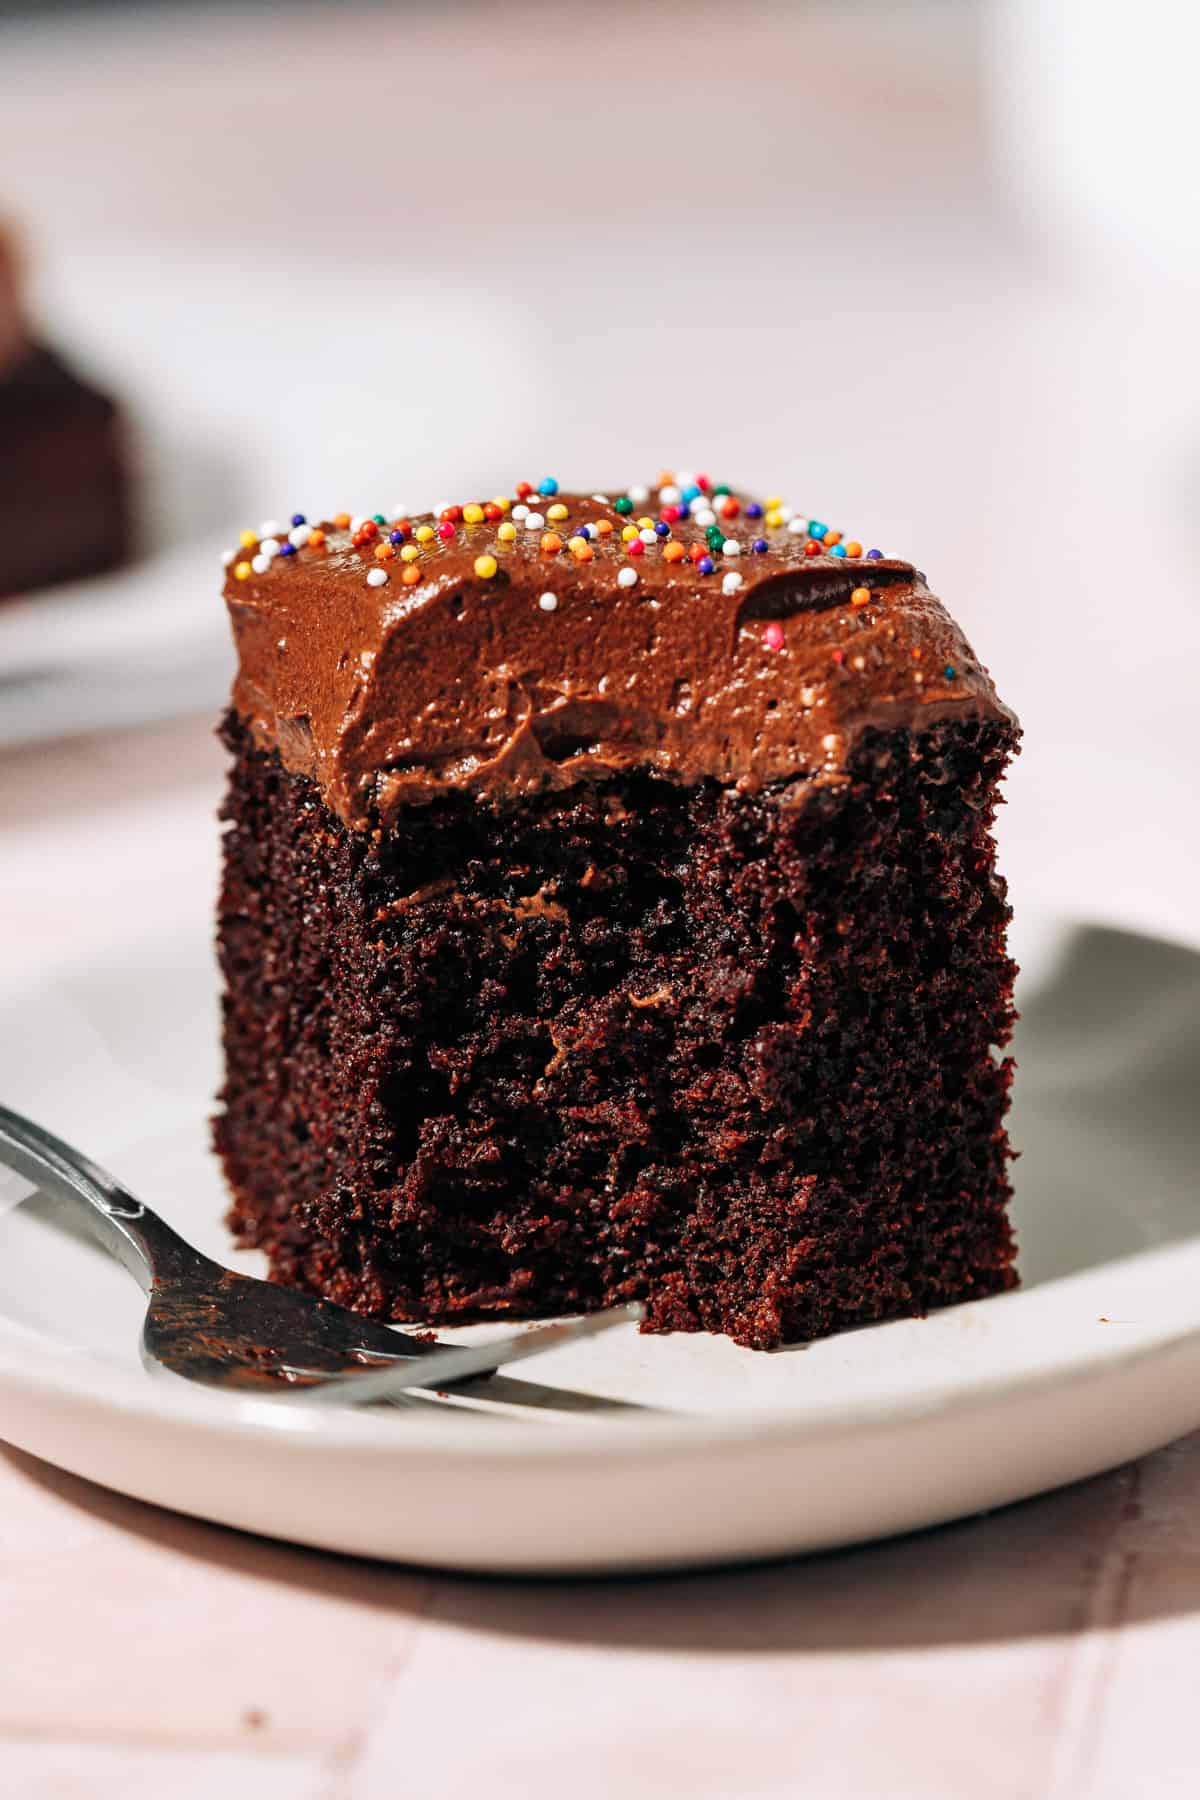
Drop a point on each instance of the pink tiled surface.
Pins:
(1045, 1652)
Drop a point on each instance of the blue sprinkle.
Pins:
(395, 537)
(815, 530)
(760, 546)
(548, 487)
(706, 565)
(299, 519)
(287, 549)
(690, 493)
(950, 671)
(837, 550)
(662, 528)
(874, 555)
(586, 531)
(754, 510)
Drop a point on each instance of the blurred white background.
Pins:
(929, 269)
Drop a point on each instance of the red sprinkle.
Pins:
(773, 636)
(445, 531)
(453, 514)
(492, 511)
(730, 509)
(524, 489)
(813, 547)
(837, 656)
(671, 515)
(635, 547)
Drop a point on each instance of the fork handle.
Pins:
(137, 1237)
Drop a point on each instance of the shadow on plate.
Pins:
(1108, 1059)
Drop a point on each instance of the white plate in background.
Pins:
(638, 1452)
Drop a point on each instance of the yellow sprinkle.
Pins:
(424, 534)
(506, 532)
(774, 517)
(629, 532)
(773, 500)
(502, 502)
(409, 553)
(242, 571)
(557, 511)
(247, 539)
(473, 514)
(485, 566)
(647, 524)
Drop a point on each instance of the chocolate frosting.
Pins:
(390, 695)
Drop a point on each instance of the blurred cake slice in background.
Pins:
(65, 497)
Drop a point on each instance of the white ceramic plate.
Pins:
(637, 1452)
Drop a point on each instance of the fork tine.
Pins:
(446, 1366)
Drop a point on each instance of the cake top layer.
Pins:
(535, 640)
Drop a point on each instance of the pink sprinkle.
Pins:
(773, 636)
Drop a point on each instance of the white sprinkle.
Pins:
(648, 535)
(357, 522)
(731, 547)
(627, 578)
(299, 535)
(705, 516)
(732, 582)
(269, 547)
(270, 528)
(785, 512)
(260, 563)
(377, 578)
(549, 602)
(797, 527)
(518, 513)
(668, 495)
(685, 478)
(603, 499)
(534, 521)
(639, 495)
(399, 512)
(227, 557)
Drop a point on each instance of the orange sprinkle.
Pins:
(853, 548)
(581, 550)
(673, 551)
(410, 574)
(341, 520)
(861, 597)
(384, 551)
(316, 537)
(602, 527)
(551, 543)
(833, 537)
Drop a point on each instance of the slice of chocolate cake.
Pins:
(610, 912)
(64, 500)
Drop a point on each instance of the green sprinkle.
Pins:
(623, 505)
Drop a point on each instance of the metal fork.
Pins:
(212, 1325)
